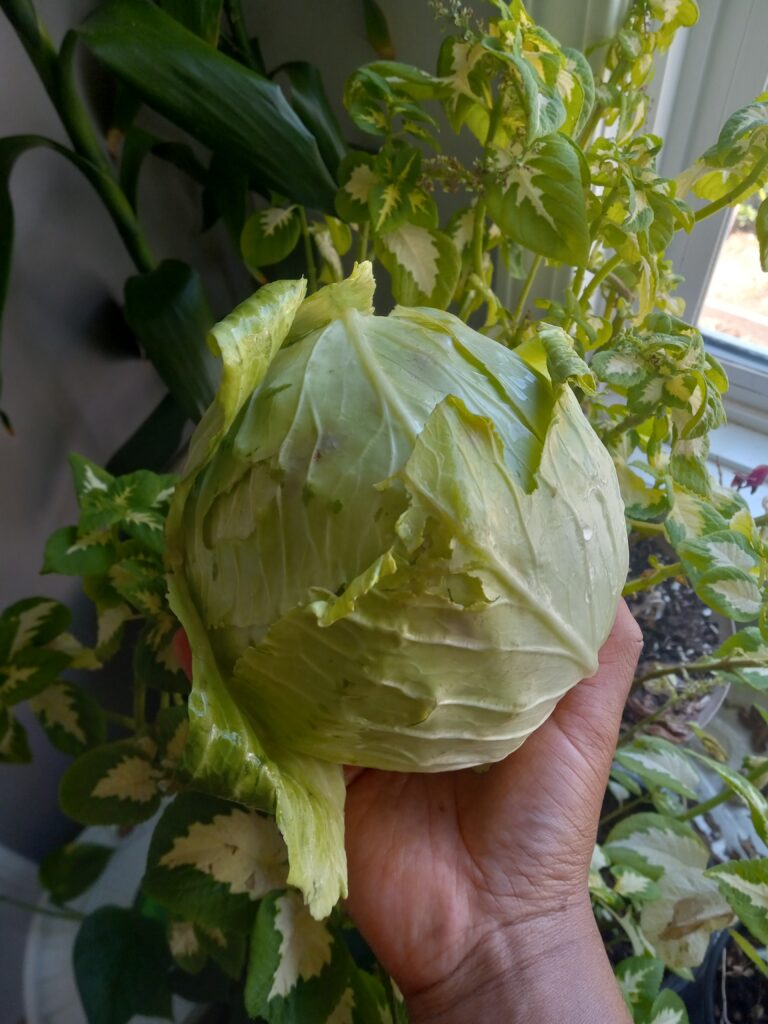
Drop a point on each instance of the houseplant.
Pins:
(542, 189)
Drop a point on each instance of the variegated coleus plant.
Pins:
(544, 189)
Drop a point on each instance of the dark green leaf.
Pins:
(154, 443)
(223, 104)
(377, 30)
(139, 144)
(68, 872)
(70, 555)
(73, 721)
(226, 195)
(30, 672)
(269, 236)
(169, 313)
(310, 102)
(14, 747)
(122, 963)
(110, 785)
(200, 16)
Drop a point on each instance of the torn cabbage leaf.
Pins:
(394, 545)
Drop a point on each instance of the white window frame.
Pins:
(712, 70)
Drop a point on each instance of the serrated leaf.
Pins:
(668, 1008)
(115, 784)
(269, 236)
(731, 592)
(71, 718)
(68, 872)
(564, 364)
(210, 861)
(745, 885)
(642, 500)
(540, 201)
(659, 763)
(297, 968)
(639, 979)
(121, 963)
(357, 177)
(69, 554)
(746, 791)
(423, 263)
(690, 906)
(31, 671)
(14, 746)
(634, 885)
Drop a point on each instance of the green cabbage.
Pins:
(394, 545)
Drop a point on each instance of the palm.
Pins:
(436, 861)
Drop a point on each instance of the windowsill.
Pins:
(738, 449)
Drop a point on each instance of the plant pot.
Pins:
(50, 990)
(744, 995)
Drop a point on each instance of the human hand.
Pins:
(465, 884)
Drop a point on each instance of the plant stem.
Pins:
(309, 254)
(599, 277)
(735, 193)
(651, 579)
(719, 665)
(478, 235)
(645, 528)
(33, 908)
(237, 23)
(517, 312)
(696, 690)
(125, 720)
(633, 420)
(722, 797)
(644, 798)
(362, 247)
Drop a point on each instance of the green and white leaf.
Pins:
(67, 873)
(639, 979)
(71, 718)
(269, 236)
(668, 1008)
(745, 885)
(660, 764)
(114, 784)
(14, 746)
(423, 263)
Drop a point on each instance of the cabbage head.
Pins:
(394, 544)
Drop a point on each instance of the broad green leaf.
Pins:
(121, 963)
(745, 885)
(210, 861)
(691, 516)
(297, 968)
(168, 311)
(200, 16)
(14, 746)
(564, 363)
(690, 907)
(155, 442)
(660, 764)
(115, 784)
(423, 264)
(71, 718)
(732, 592)
(377, 30)
(269, 236)
(309, 100)
(138, 144)
(538, 199)
(642, 499)
(68, 872)
(746, 791)
(761, 227)
(70, 554)
(668, 1008)
(639, 979)
(223, 104)
(357, 178)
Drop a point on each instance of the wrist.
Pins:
(552, 969)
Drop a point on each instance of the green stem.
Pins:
(309, 254)
(718, 665)
(608, 267)
(478, 236)
(719, 798)
(362, 247)
(237, 23)
(648, 529)
(33, 908)
(125, 720)
(633, 420)
(652, 579)
(622, 809)
(517, 312)
(610, 305)
(697, 690)
(735, 193)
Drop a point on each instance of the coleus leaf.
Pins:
(14, 746)
(423, 263)
(668, 1008)
(114, 784)
(297, 967)
(538, 199)
(69, 871)
(71, 718)
(357, 177)
(745, 885)
(121, 963)
(28, 664)
(639, 979)
(210, 861)
(269, 236)
(660, 764)
(192, 945)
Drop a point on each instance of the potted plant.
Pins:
(544, 189)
